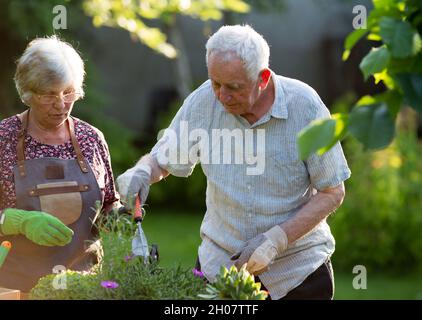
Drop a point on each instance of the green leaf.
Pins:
(386, 78)
(236, 6)
(384, 3)
(375, 61)
(374, 37)
(367, 100)
(372, 125)
(351, 40)
(321, 135)
(400, 37)
(394, 100)
(316, 135)
(417, 63)
(402, 65)
(411, 85)
(210, 14)
(340, 132)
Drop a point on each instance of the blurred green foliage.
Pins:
(395, 29)
(29, 18)
(380, 221)
(23, 20)
(178, 242)
(380, 286)
(131, 16)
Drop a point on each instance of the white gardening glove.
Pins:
(134, 181)
(261, 251)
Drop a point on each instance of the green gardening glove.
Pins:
(39, 227)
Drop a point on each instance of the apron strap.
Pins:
(75, 143)
(21, 145)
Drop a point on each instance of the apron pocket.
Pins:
(61, 199)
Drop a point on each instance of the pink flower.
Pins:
(109, 284)
(129, 257)
(197, 273)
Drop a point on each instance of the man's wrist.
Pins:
(279, 237)
(144, 167)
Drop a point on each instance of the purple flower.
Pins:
(109, 284)
(129, 257)
(197, 273)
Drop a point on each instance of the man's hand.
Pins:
(134, 181)
(261, 251)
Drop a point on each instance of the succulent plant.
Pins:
(233, 284)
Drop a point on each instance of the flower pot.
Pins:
(9, 294)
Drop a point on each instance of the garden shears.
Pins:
(139, 241)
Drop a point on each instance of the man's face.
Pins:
(231, 85)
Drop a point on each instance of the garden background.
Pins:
(137, 77)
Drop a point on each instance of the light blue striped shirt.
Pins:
(241, 204)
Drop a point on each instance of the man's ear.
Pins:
(265, 78)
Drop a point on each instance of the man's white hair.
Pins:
(245, 43)
(48, 63)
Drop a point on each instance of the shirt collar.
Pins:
(279, 108)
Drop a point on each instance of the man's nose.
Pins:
(224, 96)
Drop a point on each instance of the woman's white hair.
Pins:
(245, 43)
(48, 63)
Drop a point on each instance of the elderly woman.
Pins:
(54, 169)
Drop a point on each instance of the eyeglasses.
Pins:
(51, 98)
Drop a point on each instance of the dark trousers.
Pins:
(319, 285)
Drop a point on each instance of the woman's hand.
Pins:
(39, 227)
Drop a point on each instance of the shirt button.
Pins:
(249, 187)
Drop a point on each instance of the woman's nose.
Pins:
(60, 104)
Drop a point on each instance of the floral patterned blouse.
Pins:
(93, 146)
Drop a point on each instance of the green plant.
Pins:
(234, 284)
(121, 276)
(79, 286)
(379, 223)
(129, 277)
(395, 26)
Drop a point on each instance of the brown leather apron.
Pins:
(66, 189)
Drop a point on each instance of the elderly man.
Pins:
(272, 218)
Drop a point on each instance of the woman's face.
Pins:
(51, 108)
